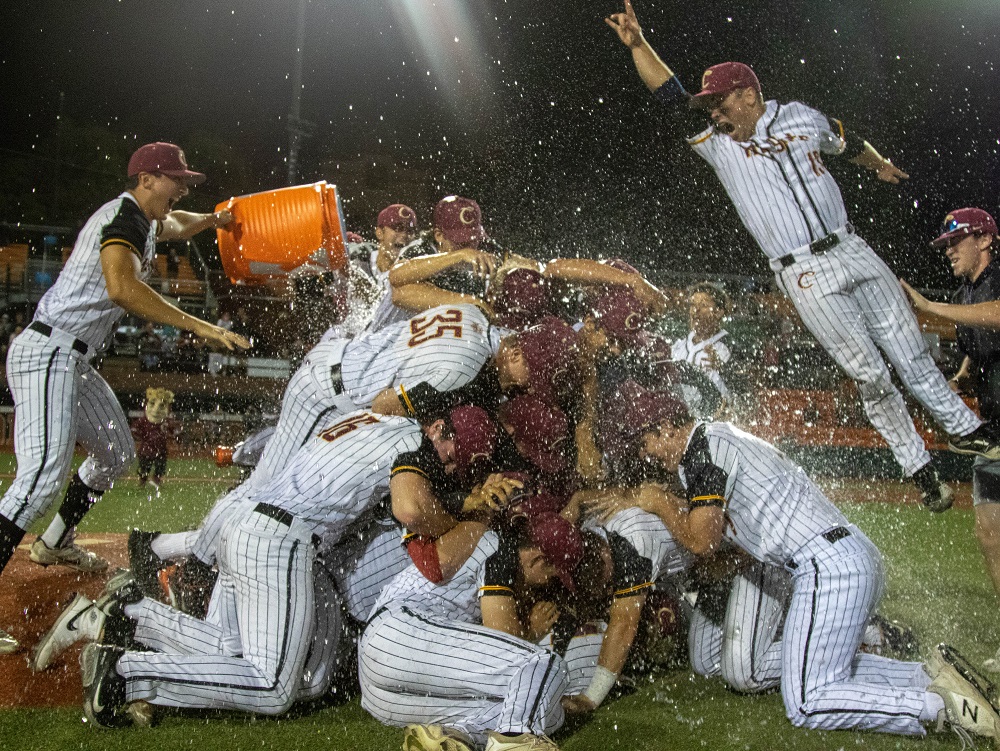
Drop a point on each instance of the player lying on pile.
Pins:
(258, 650)
(740, 489)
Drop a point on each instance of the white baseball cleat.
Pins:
(966, 706)
(435, 738)
(72, 556)
(64, 633)
(524, 742)
(8, 644)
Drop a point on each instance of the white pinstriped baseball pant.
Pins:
(418, 668)
(60, 400)
(744, 650)
(825, 683)
(850, 300)
(265, 588)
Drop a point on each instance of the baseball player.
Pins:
(448, 660)
(59, 399)
(769, 158)
(265, 592)
(705, 345)
(967, 238)
(741, 489)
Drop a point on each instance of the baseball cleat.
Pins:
(103, 689)
(119, 579)
(64, 633)
(8, 644)
(896, 639)
(523, 742)
(967, 705)
(435, 738)
(143, 562)
(934, 494)
(980, 442)
(72, 556)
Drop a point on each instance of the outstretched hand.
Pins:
(626, 26)
(920, 303)
(890, 173)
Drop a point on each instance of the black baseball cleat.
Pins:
(103, 689)
(897, 639)
(144, 563)
(982, 441)
(118, 629)
(934, 494)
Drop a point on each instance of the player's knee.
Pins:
(876, 389)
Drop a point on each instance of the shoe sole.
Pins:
(96, 569)
(36, 663)
(417, 738)
(7, 648)
(992, 454)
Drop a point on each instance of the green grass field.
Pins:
(937, 584)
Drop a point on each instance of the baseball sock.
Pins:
(10, 537)
(79, 498)
(933, 704)
(174, 545)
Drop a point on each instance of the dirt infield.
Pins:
(30, 599)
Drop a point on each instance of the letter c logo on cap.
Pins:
(467, 218)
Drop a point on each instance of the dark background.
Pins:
(536, 111)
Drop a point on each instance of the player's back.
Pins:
(445, 347)
(652, 540)
(342, 471)
(456, 599)
(774, 508)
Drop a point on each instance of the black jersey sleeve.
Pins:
(128, 227)
(633, 572)
(706, 481)
(501, 571)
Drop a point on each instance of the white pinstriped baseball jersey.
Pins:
(776, 180)
(78, 302)
(650, 538)
(456, 599)
(445, 348)
(772, 507)
(341, 472)
(695, 353)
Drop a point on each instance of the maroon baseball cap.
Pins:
(620, 314)
(460, 220)
(475, 437)
(642, 409)
(551, 347)
(397, 216)
(353, 237)
(721, 79)
(164, 159)
(523, 298)
(961, 222)
(560, 543)
(541, 431)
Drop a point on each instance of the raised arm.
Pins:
(652, 70)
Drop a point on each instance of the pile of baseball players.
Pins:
(478, 482)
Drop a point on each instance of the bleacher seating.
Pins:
(13, 261)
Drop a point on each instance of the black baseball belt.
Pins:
(45, 330)
(818, 247)
(832, 536)
(281, 516)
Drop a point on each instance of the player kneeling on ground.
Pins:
(451, 662)
(741, 489)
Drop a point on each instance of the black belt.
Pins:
(817, 247)
(281, 516)
(831, 536)
(46, 330)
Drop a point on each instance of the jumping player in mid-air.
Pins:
(768, 156)
(59, 399)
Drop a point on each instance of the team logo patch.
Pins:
(807, 279)
(467, 215)
(633, 321)
(704, 77)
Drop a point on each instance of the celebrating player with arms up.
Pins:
(768, 157)
(59, 398)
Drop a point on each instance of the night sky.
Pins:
(532, 108)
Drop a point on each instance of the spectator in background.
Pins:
(705, 345)
(151, 433)
(173, 262)
(225, 321)
(216, 360)
(150, 348)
